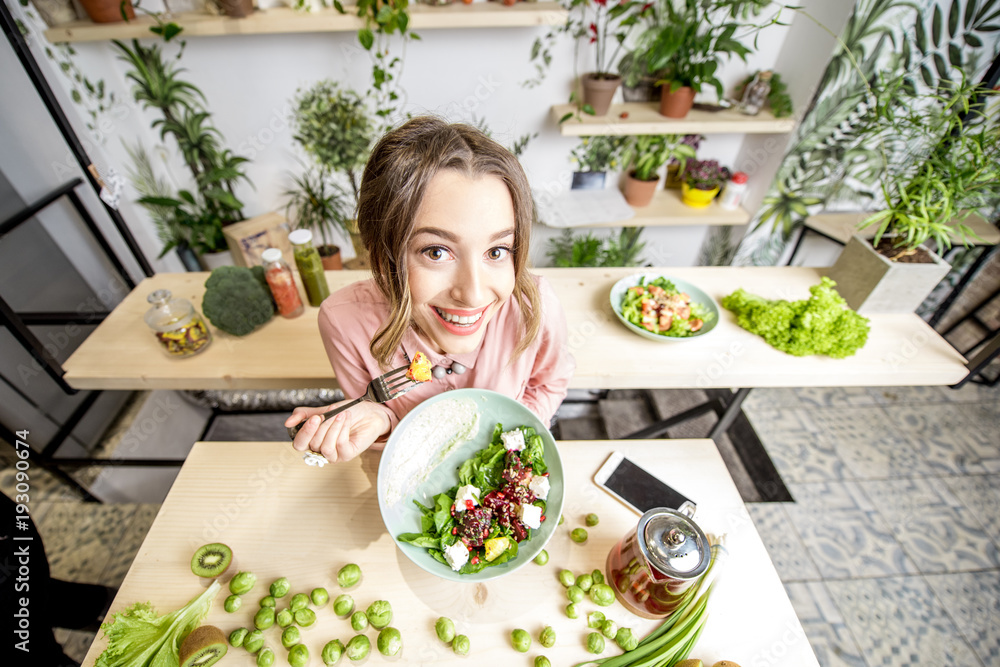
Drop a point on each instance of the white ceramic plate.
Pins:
(404, 517)
(697, 296)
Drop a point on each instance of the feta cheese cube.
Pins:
(539, 486)
(513, 441)
(531, 515)
(466, 498)
(457, 555)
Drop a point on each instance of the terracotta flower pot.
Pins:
(697, 198)
(639, 193)
(597, 92)
(236, 8)
(107, 11)
(330, 257)
(678, 103)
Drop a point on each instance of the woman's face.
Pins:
(459, 260)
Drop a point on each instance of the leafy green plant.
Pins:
(687, 40)
(568, 250)
(319, 204)
(778, 99)
(215, 170)
(942, 162)
(646, 153)
(383, 19)
(606, 25)
(598, 153)
(705, 174)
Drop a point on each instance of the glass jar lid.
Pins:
(271, 254)
(300, 237)
(673, 544)
(167, 313)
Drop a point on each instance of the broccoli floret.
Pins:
(821, 324)
(235, 301)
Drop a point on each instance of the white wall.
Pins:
(461, 74)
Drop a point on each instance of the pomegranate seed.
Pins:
(545, 474)
(452, 509)
(454, 531)
(543, 517)
(468, 504)
(475, 560)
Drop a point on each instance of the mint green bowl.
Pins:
(404, 517)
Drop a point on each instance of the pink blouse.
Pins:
(538, 378)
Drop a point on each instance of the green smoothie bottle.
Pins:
(310, 266)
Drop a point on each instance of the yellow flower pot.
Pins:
(697, 198)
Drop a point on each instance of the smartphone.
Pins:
(637, 487)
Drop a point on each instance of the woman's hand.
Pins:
(343, 436)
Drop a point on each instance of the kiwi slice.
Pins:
(203, 647)
(211, 560)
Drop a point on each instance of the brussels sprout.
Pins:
(233, 603)
(445, 629)
(298, 655)
(299, 601)
(595, 642)
(343, 605)
(284, 618)
(305, 617)
(253, 641)
(319, 596)
(264, 618)
(574, 593)
(332, 652)
(566, 578)
(609, 629)
(592, 520)
(542, 661)
(265, 658)
(237, 636)
(602, 595)
(389, 641)
(579, 535)
(597, 576)
(290, 637)
(572, 611)
(585, 581)
(349, 575)
(461, 645)
(242, 583)
(268, 601)
(626, 639)
(520, 640)
(379, 614)
(542, 558)
(547, 638)
(595, 619)
(359, 622)
(358, 647)
(280, 587)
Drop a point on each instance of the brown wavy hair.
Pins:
(395, 178)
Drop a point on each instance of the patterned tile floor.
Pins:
(890, 552)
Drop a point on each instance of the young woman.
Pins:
(446, 215)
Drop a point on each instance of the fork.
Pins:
(383, 388)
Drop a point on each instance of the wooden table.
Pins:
(288, 354)
(283, 518)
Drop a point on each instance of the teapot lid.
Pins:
(673, 544)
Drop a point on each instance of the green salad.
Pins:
(659, 307)
(497, 504)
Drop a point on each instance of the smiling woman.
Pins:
(446, 213)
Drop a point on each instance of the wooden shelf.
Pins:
(645, 118)
(840, 226)
(287, 20)
(668, 210)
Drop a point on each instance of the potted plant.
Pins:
(108, 11)
(316, 203)
(687, 43)
(334, 127)
(942, 162)
(646, 154)
(672, 179)
(202, 211)
(568, 250)
(607, 26)
(594, 156)
(702, 180)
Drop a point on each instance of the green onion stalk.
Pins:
(674, 639)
